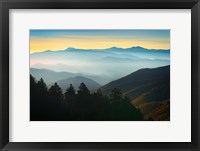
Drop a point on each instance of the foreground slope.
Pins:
(149, 90)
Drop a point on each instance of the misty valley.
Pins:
(113, 84)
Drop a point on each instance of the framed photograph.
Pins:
(91, 75)
(98, 82)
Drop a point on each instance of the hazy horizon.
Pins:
(41, 40)
(108, 54)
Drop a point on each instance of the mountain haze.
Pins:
(76, 81)
(112, 63)
(51, 76)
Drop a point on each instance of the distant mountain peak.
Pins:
(45, 51)
(70, 49)
(138, 47)
(115, 48)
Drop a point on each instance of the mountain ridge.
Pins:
(76, 81)
(50, 76)
(148, 89)
(105, 49)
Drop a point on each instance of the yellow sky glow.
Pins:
(42, 44)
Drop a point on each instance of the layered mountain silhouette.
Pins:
(76, 81)
(111, 63)
(96, 54)
(50, 76)
(148, 89)
(107, 50)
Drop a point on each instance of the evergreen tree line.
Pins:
(53, 105)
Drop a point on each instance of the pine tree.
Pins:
(33, 99)
(32, 81)
(70, 91)
(33, 88)
(69, 95)
(116, 95)
(55, 93)
(83, 90)
(41, 86)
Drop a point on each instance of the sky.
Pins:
(42, 40)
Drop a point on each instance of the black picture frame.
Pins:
(5, 5)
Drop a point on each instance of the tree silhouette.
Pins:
(42, 99)
(42, 86)
(32, 82)
(42, 91)
(33, 88)
(47, 105)
(70, 101)
(53, 106)
(55, 93)
(70, 92)
(83, 90)
(116, 95)
(33, 98)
